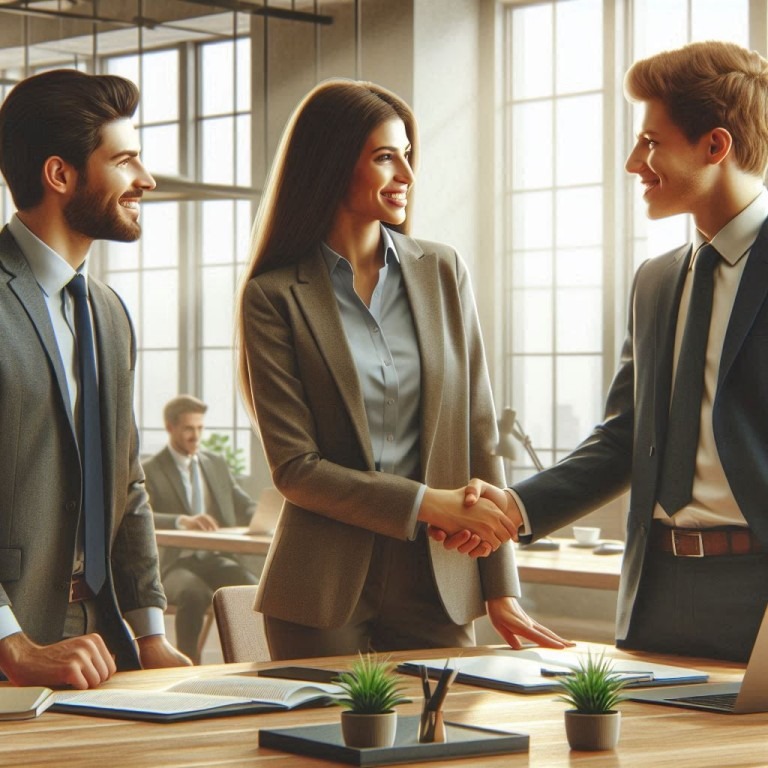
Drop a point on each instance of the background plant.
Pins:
(594, 688)
(219, 444)
(371, 687)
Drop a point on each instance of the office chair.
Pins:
(241, 628)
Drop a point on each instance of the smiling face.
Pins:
(186, 432)
(382, 177)
(105, 203)
(675, 173)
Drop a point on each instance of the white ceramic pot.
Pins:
(369, 730)
(592, 732)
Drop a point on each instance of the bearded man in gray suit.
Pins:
(78, 559)
(194, 489)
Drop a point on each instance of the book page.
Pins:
(155, 702)
(267, 690)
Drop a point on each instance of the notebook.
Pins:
(750, 695)
(538, 670)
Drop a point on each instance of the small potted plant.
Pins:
(593, 691)
(371, 692)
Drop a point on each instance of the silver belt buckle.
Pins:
(696, 535)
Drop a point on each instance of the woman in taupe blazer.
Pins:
(363, 366)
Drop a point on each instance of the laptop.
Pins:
(264, 519)
(750, 695)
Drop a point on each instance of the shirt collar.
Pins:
(51, 271)
(737, 236)
(333, 259)
(182, 461)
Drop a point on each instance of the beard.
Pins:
(97, 217)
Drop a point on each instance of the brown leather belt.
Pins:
(703, 542)
(79, 590)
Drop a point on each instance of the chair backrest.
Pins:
(241, 628)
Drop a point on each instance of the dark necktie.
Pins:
(679, 458)
(90, 440)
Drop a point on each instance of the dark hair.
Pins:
(313, 167)
(57, 113)
(180, 405)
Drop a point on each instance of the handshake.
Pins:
(475, 520)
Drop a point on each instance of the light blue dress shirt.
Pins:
(53, 273)
(385, 349)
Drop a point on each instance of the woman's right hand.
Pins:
(447, 511)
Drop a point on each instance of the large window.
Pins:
(575, 221)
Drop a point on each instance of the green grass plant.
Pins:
(594, 688)
(371, 687)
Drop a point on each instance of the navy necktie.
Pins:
(679, 458)
(89, 424)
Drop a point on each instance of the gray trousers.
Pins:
(399, 609)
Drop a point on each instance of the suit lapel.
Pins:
(105, 349)
(422, 283)
(314, 294)
(21, 281)
(217, 491)
(171, 471)
(667, 304)
(750, 297)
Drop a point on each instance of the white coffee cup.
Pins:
(586, 535)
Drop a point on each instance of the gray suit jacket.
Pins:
(626, 448)
(314, 429)
(231, 504)
(40, 478)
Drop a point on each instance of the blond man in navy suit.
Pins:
(695, 576)
(70, 156)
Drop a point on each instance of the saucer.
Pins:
(586, 544)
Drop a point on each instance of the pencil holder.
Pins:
(431, 726)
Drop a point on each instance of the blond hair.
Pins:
(710, 85)
(180, 405)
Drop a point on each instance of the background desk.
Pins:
(235, 540)
(652, 736)
(568, 566)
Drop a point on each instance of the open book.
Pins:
(197, 698)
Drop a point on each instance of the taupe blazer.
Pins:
(314, 429)
(168, 498)
(40, 477)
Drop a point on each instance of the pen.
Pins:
(425, 682)
(629, 674)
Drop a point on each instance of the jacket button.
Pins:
(70, 506)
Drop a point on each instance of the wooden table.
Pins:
(235, 540)
(652, 736)
(568, 566)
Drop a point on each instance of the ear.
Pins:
(720, 142)
(58, 175)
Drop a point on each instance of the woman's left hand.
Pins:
(513, 623)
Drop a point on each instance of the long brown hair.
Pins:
(309, 177)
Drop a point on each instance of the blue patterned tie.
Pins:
(679, 458)
(90, 440)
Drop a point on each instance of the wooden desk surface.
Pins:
(568, 566)
(236, 540)
(652, 736)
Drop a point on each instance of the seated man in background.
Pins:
(192, 488)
